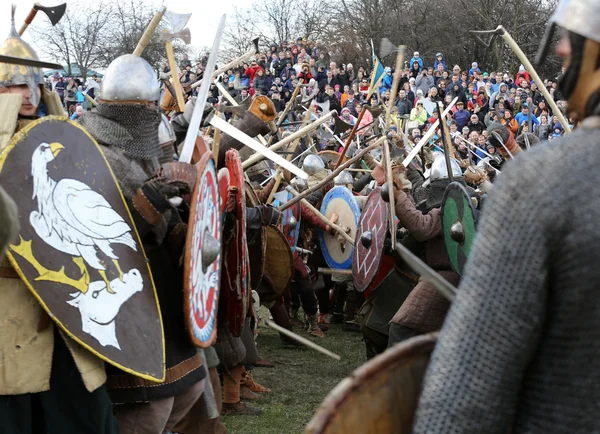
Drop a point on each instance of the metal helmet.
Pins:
(15, 75)
(344, 178)
(313, 164)
(129, 78)
(165, 131)
(299, 184)
(581, 18)
(440, 171)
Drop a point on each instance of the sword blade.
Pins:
(194, 128)
(257, 147)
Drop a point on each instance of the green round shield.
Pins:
(458, 221)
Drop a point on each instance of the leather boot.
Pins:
(249, 382)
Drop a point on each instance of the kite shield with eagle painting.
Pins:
(78, 250)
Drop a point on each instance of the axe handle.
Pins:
(147, 36)
(287, 108)
(395, 85)
(28, 20)
(324, 219)
(90, 99)
(350, 137)
(332, 175)
(390, 182)
(216, 141)
(175, 73)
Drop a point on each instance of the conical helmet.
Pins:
(15, 75)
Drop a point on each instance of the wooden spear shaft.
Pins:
(287, 108)
(351, 136)
(321, 217)
(333, 174)
(395, 84)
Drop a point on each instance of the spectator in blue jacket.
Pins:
(474, 68)
(439, 60)
(386, 81)
(461, 116)
(417, 58)
(523, 116)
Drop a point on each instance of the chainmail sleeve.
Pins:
(475, 381)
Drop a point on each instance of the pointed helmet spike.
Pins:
(13, 28)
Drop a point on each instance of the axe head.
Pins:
(184, 35)
(386, 47)
(177, 21)
(55, 13)
(255, 43)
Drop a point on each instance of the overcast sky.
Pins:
(206, 15)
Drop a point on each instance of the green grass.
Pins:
(300, 380)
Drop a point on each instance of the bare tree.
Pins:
(78, 37)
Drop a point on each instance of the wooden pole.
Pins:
(332, 175)
(351, 136)
(174, 73)
(321, 217)
(302, 340)
(287, 108)
(395, 85)
(147, 36)
(289, 139)
(390, 182)
(525, 61)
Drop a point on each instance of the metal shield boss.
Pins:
(458, 222)
(235, 250)
(370, 237)
(202, 264)
(78, 250)
(336, 250)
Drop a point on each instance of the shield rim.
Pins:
(19, 137)
(455, 186)
(200, 166)
(347, 264)
(359, 232)
(236, 329)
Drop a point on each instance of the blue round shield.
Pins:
(336, 250)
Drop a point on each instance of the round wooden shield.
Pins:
(330, 158)
(287, 226)
(379, 397)
(78, 250)
(257, 245)
(235, 250)
(202, 263)
(458, 222)
(279, 267)
(339, 200)
(370, 236)
(224, 181)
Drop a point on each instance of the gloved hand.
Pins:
(151, 200)
(269, 215)
(231, 205)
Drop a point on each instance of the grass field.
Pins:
(300, 380)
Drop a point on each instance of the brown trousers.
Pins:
(197, 421)
(156, 417)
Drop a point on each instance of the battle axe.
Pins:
(55, 13)
(167, 38)
(177, 21)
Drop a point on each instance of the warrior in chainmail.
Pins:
(126, 125)
(519, 350)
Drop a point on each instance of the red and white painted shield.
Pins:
(370, 237)
(235, 250)
(203, 256)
